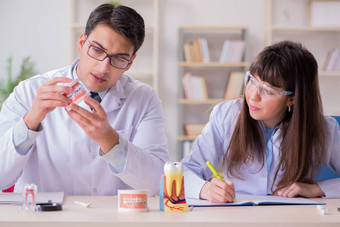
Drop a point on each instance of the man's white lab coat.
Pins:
(63, 158)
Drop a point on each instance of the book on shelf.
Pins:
(255, 200)
(232, 51)
(187, 54)
(196, 51)
(332, 61)
(192, 52)
(224, 52)
(337, 64)
(204, 49)
(234, 85)
(195, 87)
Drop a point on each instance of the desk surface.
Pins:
(104, 212)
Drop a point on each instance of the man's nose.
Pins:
(105, 65)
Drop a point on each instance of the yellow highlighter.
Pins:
(213, 170)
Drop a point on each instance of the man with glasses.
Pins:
(115, 140)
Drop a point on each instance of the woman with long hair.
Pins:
(272, 141)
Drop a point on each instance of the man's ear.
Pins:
(81, 42)
(132, 59)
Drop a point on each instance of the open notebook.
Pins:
(255, 200)
(42, 197)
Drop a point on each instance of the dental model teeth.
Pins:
(173, 171)
(77, 93)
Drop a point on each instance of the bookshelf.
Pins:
(300, 21)
(145, 66)
(193, 113)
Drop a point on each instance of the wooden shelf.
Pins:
(318, 39)
(80, 26)
(215, 81)
(305, 29)
(187, 137)
(206, 101)
(331, 74)
(211, 28)
(213, 64)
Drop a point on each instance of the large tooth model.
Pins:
(171, 194)
(173, 172)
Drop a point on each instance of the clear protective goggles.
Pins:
(266, 91)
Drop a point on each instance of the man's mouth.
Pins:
(98, 79)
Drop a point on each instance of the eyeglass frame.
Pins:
(107, 56)
(263, 85)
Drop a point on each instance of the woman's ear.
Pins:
(81, 42)
(290, 100)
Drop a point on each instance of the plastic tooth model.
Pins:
(174, 173)
(171, 195)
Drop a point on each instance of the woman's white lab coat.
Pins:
(213, 142)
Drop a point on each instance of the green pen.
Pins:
(213, 170)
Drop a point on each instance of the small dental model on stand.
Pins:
(171, 194)
(30, 201)
(30, 195)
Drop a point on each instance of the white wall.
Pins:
(35, 28)
(40, 29)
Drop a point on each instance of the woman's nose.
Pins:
(255, 92)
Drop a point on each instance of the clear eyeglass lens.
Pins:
(97, 53)
(100, 55)
(119, 62)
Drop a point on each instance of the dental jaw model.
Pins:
(171, 195)
(77, 94)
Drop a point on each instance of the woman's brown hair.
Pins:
(292, 67)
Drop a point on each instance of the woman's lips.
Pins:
(253, 108)
(98, 79)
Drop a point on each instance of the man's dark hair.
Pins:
(122, 19)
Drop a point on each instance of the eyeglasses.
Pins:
(100, 55)
(266, 91)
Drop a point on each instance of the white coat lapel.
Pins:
(114, 98)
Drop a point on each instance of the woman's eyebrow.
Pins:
(266, 83)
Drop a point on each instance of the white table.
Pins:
(104, 212)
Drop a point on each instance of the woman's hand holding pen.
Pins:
(217, 191)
